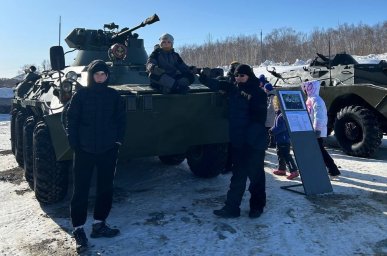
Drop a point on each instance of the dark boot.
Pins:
(255, 213)
(80, 240)
(334, 172)
(227, 213)
(102, 230)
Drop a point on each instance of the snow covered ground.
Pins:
(163, 210)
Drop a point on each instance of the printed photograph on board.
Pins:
(292, 100)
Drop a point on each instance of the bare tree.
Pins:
(287, 45)
(46, 65)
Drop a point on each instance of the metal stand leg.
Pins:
(292, 190)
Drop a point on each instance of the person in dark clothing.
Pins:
(282, 139)
(262, 80)
(231, 78)
(247, 116)
(231, 71)
(95, 130)
(28, 82)
(31, 76)
(167, 71)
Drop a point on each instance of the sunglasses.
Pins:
(240, 75)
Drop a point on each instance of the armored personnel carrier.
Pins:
(173, 127)
(356, 99)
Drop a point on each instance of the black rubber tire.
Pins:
(13, 128)
(19, 122)
(357, 131)
(50, 176)
(207, 161)
(172, 159)
(28, 130)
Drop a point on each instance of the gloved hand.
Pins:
(193, 69)
(158, 71)
(75, 149)
(117, 145)
(205, 72)
(318, 133)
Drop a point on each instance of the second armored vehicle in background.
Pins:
(356, 99)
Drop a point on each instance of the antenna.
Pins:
(330, 59)
(262, 60)
(60, 26)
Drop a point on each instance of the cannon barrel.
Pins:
(154, 18)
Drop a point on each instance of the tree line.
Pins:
(287, 45)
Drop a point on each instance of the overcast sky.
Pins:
(29, 28)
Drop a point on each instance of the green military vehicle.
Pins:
(173, 127)
(356, 99)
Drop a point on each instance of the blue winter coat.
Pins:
(247, 111)
(279, 130)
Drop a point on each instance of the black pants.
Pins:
(270, 138)
(248, 163)
(329, 163)
(228, 166)
(84, 164)
(285, 158)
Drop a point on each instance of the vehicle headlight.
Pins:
(72, 75)
(67, 85)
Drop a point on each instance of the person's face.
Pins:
(241, 78)
(166, 44)
(100, 77)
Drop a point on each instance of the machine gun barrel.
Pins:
(121, 35)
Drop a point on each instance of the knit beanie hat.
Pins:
(167, 37)
(262, 78)
(244, 69)
(268, 87)
(94, 67)
(232, 68)
(32, 68)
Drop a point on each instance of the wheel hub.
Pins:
(353, 131)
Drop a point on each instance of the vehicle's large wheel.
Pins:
(28, 130)
(357, 131)
(172, 159)
(50, 176)
(207, 161)
(19, 122)
(13, 128)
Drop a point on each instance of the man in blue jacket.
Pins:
(248, 136)
(95, 130)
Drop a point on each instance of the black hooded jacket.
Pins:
(247, 111)
(96, 115)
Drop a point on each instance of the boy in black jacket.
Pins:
(95, 130)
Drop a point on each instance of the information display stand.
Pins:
(306, 150)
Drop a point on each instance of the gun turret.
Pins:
(121, 36)
(94, 44)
